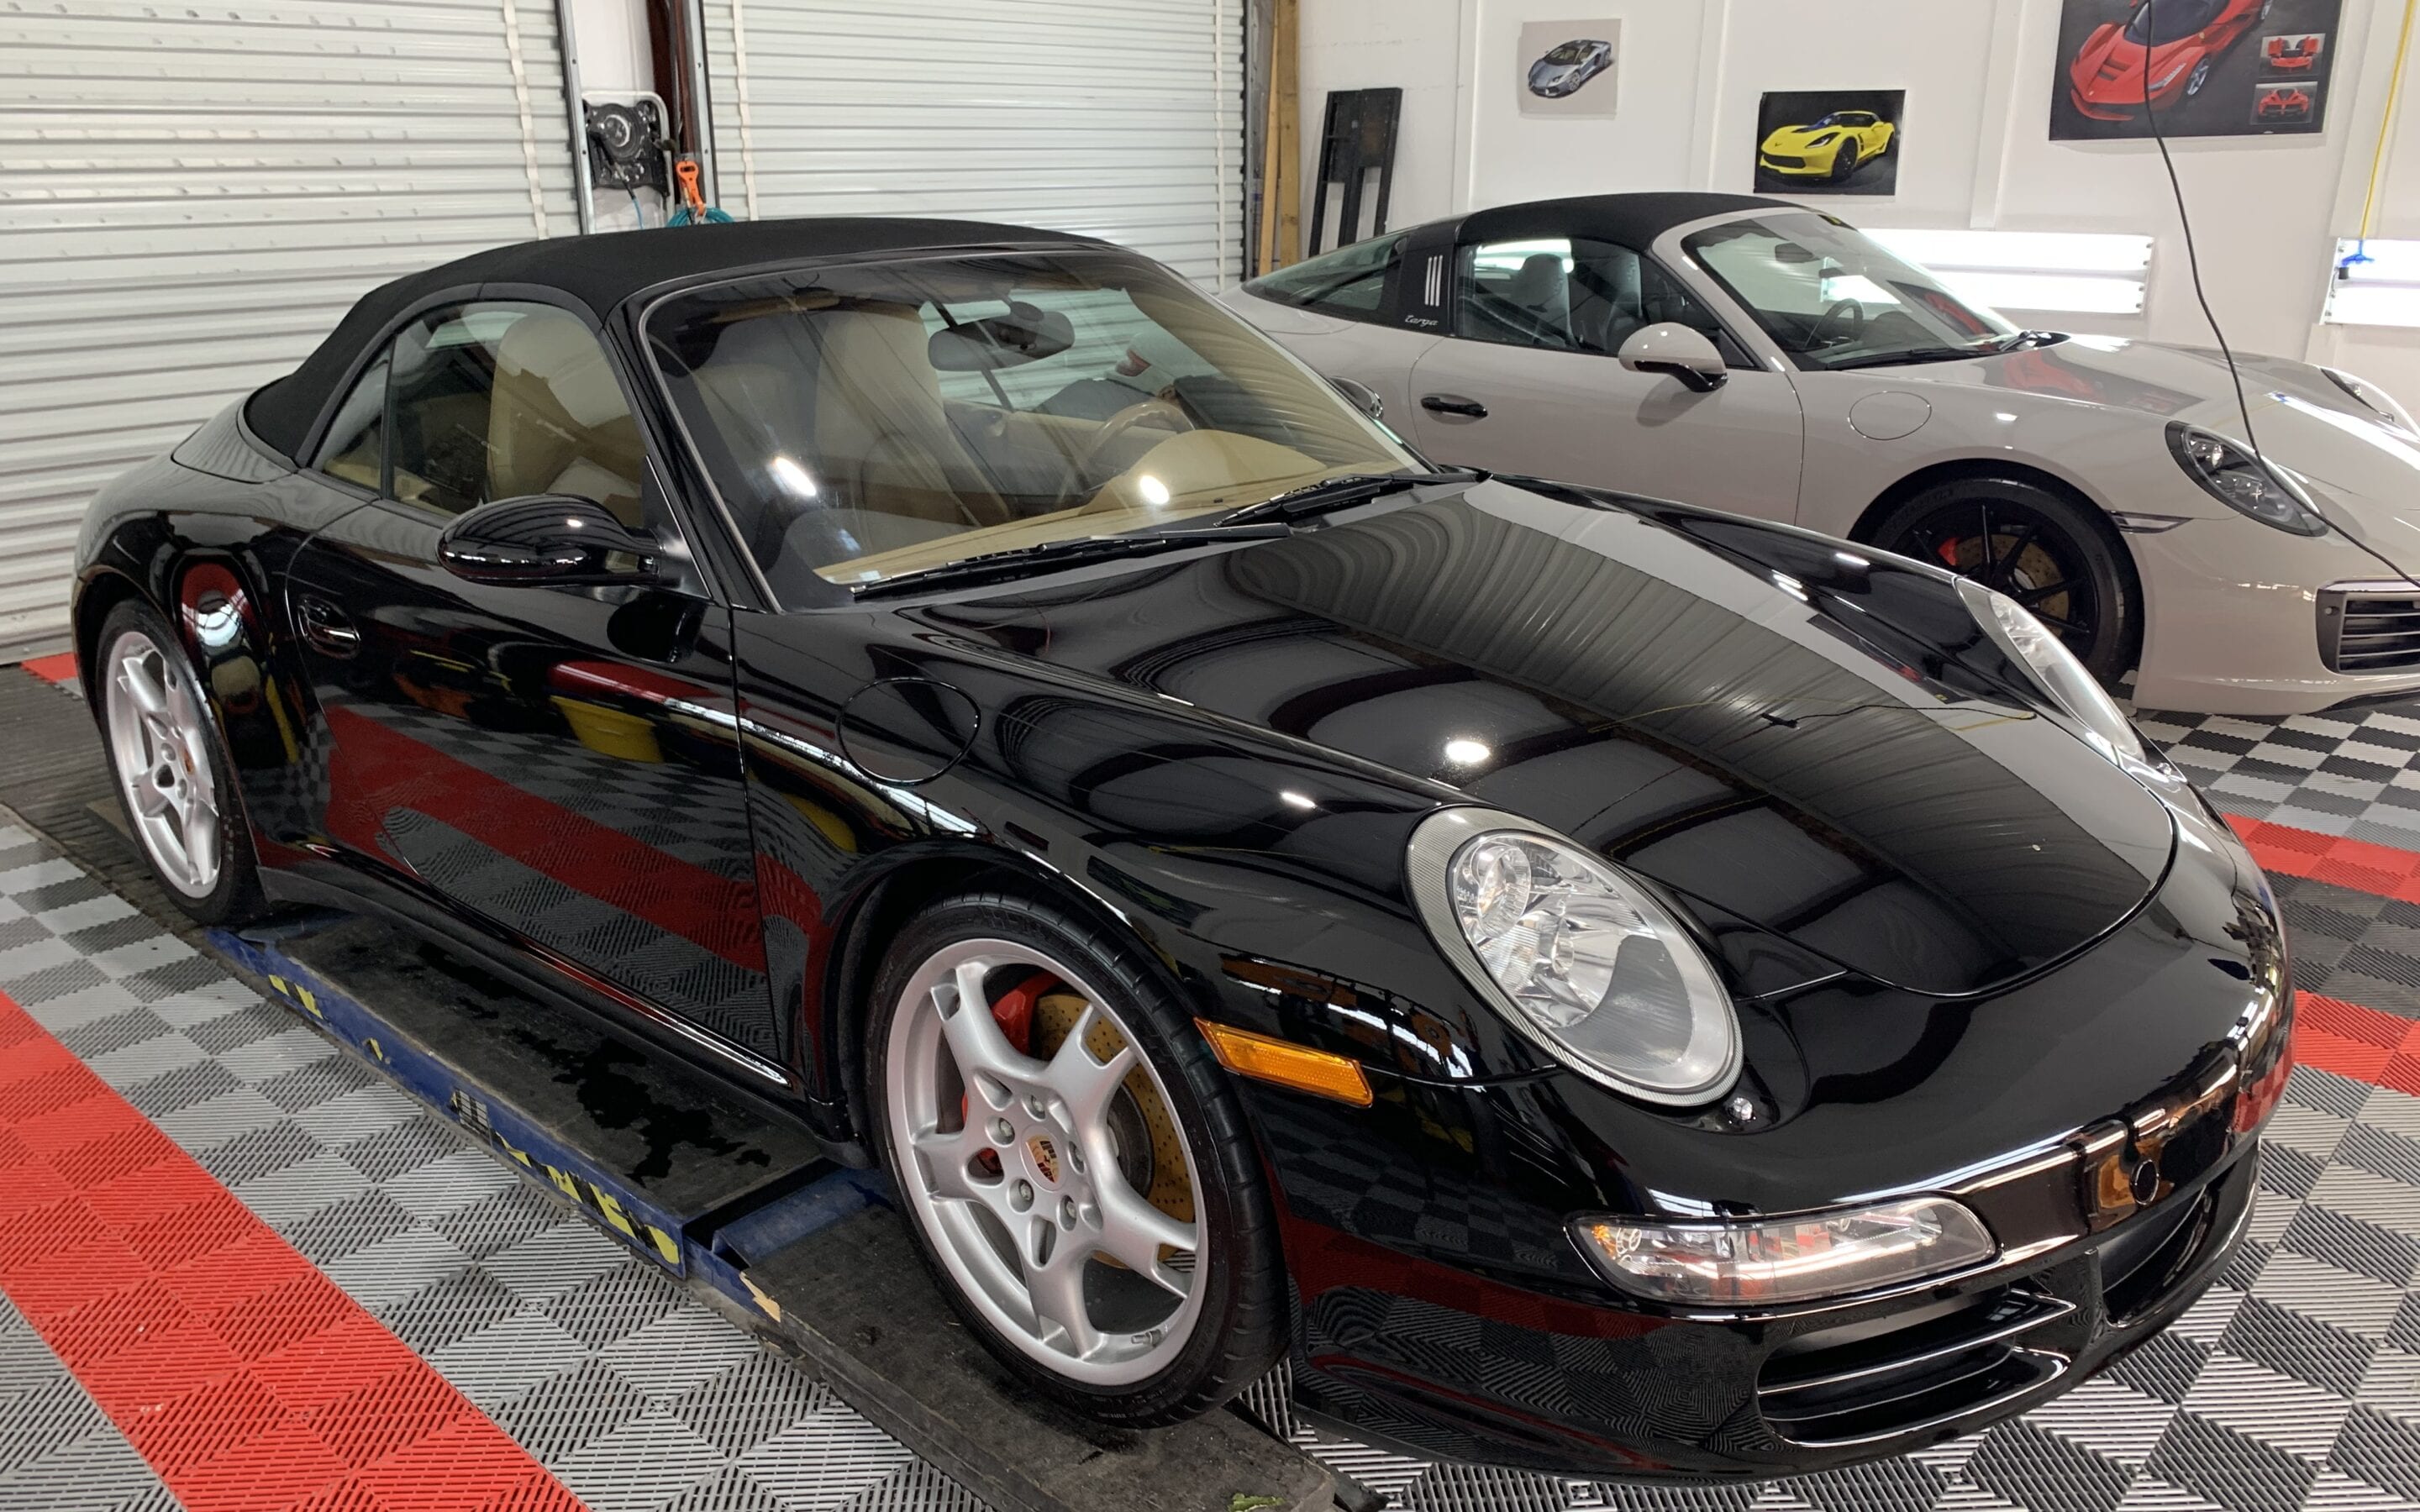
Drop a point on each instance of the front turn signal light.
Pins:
(1778, 1261)
(1265, 1060)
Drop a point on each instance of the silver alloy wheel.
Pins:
(159, 741)
(1016, 1172)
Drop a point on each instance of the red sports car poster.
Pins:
(2207, 68)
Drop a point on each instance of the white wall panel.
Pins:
(191, 196)
(1116, 118)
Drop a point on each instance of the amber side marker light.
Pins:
(1263, 1058)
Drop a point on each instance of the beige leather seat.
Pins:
(557, 422)
(881, 432)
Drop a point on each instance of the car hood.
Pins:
(1792, 138)
(2301, 418)
(2173, 382)
(2109, 67)
(1774, 751)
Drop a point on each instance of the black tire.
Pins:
(1241, 1328)
(1845, 162)
(2056, 557)
(2200, 78)
(235, 899)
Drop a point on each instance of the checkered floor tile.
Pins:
(2355, 772)
(632, 1393)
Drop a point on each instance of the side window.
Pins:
(496, 401)
(1567, 295)
(354, 450)
(1349, 283)
(1519, 294)
(1662, 296)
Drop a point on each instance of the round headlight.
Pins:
(2054, 669)
(1585, 962)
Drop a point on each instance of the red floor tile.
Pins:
(245, 1377)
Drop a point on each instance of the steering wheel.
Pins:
(1856, 328)
(1160, 410)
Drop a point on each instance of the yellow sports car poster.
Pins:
(1829, 142)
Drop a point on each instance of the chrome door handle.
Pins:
(1453, 404)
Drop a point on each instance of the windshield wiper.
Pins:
(1054, 556)
(1329, 495)
(1913, 355)
(2029, 338)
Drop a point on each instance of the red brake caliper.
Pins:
(1015, 1015)
(1949, 553)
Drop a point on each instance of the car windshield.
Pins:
(1841, 117)
(871, 420)
(1568, 52)
(1830, 297)
(2173, 19)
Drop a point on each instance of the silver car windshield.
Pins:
(1832, 298)
(867, 420)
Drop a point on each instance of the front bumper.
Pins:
(1443, 1306)
(2233, 620)
(1550, 1388)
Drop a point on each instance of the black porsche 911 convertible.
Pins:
(1607, 986)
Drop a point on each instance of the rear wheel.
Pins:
(1073, 1161)
(173, 774)
(2039, 547)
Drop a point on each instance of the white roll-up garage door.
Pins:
(1116, 118)
(190, 195)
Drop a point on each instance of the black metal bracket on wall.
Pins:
(1356, 139)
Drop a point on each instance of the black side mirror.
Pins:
(552, 539)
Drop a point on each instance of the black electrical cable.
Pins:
(2192, 264)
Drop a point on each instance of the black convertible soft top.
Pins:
(1625, 220)
(600, 272)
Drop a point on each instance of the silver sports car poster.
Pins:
(1568, 68)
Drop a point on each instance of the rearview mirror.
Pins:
(550, 539)
(1026, 334)
(1678, 351)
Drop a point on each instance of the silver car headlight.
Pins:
(1582, 960)
(2374, 399)
(2028, 641)
(1778, 1261)
(2229, 472)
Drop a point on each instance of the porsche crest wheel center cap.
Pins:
(1044, 1156)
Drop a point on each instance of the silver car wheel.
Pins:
(159, 742)
(1043, 1180)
